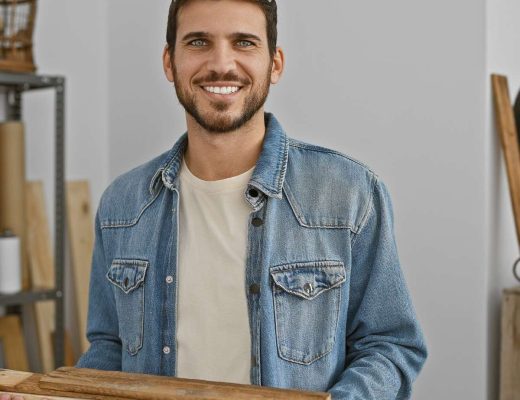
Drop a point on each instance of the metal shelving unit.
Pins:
(15, 84)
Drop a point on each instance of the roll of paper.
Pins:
(10, 264)
(12, 187)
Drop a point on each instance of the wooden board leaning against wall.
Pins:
(41, 262)
(510, 335)
(81, 237)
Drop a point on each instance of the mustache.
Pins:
(215, 77)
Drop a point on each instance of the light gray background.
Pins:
(403, 86)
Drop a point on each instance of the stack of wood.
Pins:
(67, 383)
(40, 274)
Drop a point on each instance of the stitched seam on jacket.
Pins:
(127, 223)
(311, 147)
(364, 220)
(299, 217)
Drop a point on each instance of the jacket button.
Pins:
(308, 288)
(254, 288)
(253, 192)
(166, 350)
(169, 279)
(257, 222)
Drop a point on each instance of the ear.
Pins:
(167, 64)
(278, 65)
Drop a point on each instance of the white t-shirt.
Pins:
(213, 338)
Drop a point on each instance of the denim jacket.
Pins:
(328, 305)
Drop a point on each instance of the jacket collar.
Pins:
(268, 175)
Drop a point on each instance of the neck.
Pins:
(214, 156)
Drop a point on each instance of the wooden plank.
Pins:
(12, 185)
(10, 378)
(41, 262)
(81, 237)
(510, 346)
(11, 381)
(108, 385)
(516, 109)
(69, 360)
(28, 396)
(506, 127)
(138, 386)
(30, 385)
(13, 343)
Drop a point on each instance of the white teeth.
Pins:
(221, 90)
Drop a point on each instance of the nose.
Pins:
(222, 59)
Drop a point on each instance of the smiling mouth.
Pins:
(224, 90)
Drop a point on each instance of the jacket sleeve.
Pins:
(385, 345)
(102, 325)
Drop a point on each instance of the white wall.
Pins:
(71, 40)
(401, 85)
(144, 120)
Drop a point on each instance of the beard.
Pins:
(217, 119)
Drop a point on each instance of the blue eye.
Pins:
(244, 43)
(198, 43)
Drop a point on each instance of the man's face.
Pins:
(221, 66)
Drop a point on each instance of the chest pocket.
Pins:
(127, 278)
(306, 304)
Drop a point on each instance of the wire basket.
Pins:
(16, 32)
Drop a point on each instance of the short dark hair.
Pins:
(269, 8)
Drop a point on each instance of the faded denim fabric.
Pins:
(328, 306)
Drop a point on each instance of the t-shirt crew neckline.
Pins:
(222, 185)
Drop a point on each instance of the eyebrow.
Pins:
(235, 35)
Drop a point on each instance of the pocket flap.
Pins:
(309, 279)
(127, 274)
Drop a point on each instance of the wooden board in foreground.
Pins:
(506, 126)
(72, 383)
(81, 237)
(41, 262)
(510, 346)
(138, 386)
(75, 383)
(10, 380)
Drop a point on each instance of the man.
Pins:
(242, 255)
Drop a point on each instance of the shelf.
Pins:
(29, 81)
(13, 85)
(27, 297)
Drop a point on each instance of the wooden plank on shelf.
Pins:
(510, 346)
(12, 177)
(81, 238)
(41, 262)
(506, 126)
(13, 343)
(138, 386)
